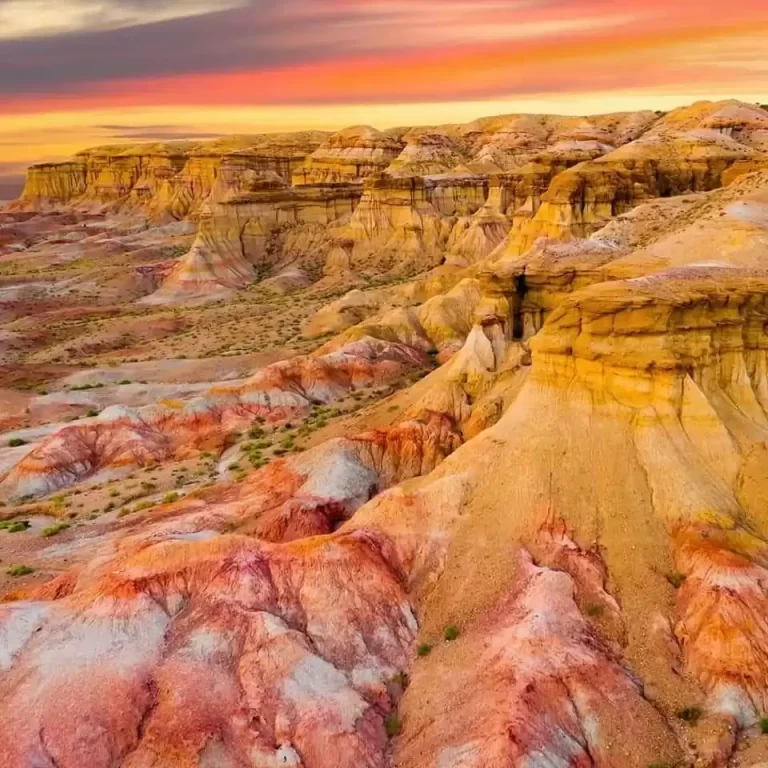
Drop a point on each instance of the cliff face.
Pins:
(162, 179)
(405, 200)
(690, 150)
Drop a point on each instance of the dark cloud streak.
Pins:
(253, 36)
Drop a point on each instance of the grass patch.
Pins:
(54, 530)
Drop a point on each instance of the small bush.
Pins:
(92, 412)
(451, 632)
(392, 725)
(54, 530)
(676, 579)
(763, 723)
(170, 498)
(17, 571)
(423, 649)
(16, 442)
(595, 611)
(689, 714)
(18, 526)
(114, 493)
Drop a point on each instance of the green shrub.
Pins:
(423, 649)
(594, 610)
(676, 579)
(451, 632)
(170, 498)
(17, 571)
(54, 530)
(763, 723)
(92, 412)
(392, 725)
(18, 526)
(16, 442)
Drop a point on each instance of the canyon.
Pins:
(429, 447)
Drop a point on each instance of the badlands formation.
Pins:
(433, 447)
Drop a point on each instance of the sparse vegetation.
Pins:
(16, 442)
(54, 530)
(392, 725)
(17, 571)
(15, 526)
(676, 579)
(689, 714)
(451, 632)
(170, 498)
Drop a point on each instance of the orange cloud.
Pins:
(391, 62)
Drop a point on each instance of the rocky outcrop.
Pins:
(349, 156)
(427, 152)
(682, 153)
(508, 142)
(403, 224)
(252, 225)
(171, 179)
(265, 654)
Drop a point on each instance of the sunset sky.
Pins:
(81, 72)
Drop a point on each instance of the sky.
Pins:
(78, 73)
